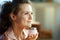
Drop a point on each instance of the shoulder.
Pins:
(1, 37)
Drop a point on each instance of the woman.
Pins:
(16, 17)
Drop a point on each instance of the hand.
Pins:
(32, 37)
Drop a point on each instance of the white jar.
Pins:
(32, 31)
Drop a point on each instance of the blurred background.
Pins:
(47, 15)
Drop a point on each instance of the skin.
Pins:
(22, 21)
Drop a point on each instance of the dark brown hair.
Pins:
(7, 8)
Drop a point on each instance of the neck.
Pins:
(17, 29)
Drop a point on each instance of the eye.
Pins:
(26, 13)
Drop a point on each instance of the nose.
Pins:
(30, 16)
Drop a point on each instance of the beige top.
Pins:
(10, 34)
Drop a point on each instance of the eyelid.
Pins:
(26, 13)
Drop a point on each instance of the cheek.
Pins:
(22, 19)
(18, 20)
(25, 17)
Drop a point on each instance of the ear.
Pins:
(13, 17)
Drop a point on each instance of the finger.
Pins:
(30, 36)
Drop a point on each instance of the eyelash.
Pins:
(27, 13)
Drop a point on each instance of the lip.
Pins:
(29, 21)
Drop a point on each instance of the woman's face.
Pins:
(24, 16)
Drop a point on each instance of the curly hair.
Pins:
(7, 8)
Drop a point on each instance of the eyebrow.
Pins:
(26, 11)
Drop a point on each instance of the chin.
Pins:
(28, 26)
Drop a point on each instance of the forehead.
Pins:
(25, 7)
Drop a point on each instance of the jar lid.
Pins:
(33, 28)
